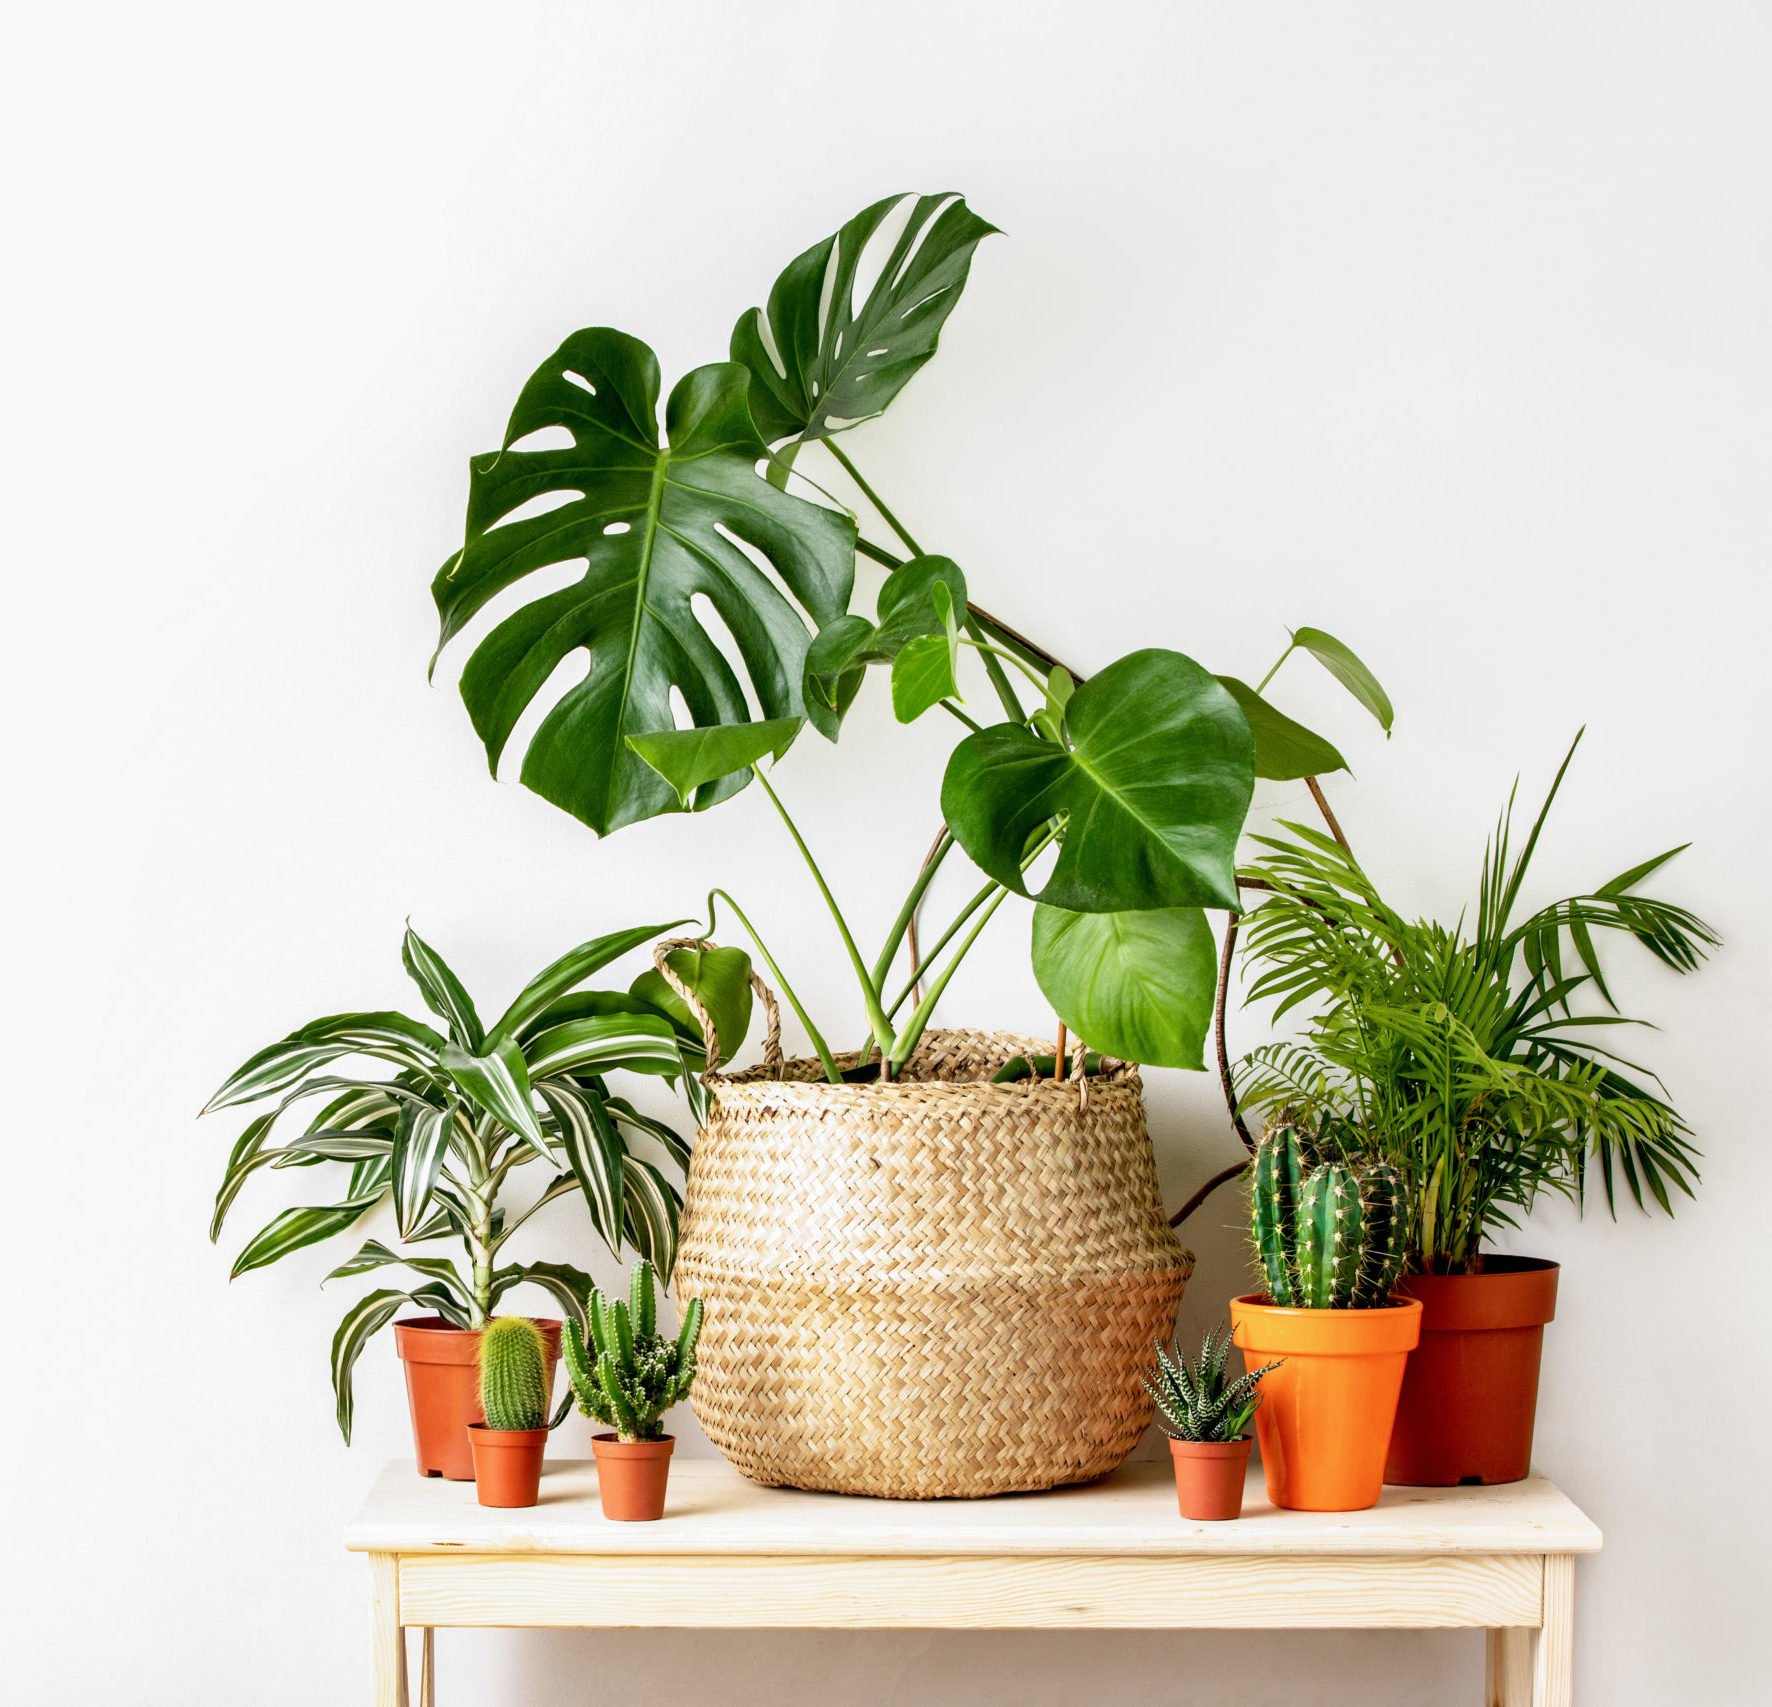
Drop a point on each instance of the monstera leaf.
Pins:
(1151, 791)
(821, 360)
(657, 524)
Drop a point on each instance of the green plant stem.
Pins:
(872, 497)
(820, 1047)
(1261, 686)
(919, 1020)
(895, 936)
(988, 652)
(941, 942)
(870, 994)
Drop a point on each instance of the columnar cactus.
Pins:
(627, 1376)
(513, 1374)
(1332, 1236)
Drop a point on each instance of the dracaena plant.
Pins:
(1132, 784)
(458, 1116)
(1468, 1055)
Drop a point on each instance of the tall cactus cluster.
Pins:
(1330, 1235)
(628, 1375)
(513, 1374)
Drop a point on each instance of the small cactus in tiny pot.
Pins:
(625, 1374)
(1329, 1235)
(513, 1374)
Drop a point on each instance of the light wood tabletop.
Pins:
(1113, 1554)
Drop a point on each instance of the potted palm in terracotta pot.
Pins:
(902, 1193)
(1466, 1055)
(1328, 1231)
(445, 1138)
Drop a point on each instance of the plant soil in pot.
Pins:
(1470, 1394)
(442, 1386)
(631, 1476)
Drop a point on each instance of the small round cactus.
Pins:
(513, 1374)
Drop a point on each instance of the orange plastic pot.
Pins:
(507, 1463)
(443, 1390)
(1470, 1396)
(1209, 1477)
(1326, 1412)
(631, 1476)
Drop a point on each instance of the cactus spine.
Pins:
(513, 1374)
(1332, 1236)
(625, 1374)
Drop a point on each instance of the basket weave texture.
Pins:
(933, 1287)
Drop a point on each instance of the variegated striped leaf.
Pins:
(442, 990)
(273, 1068)
(333, 1147)
(247, 1155)
(653, 1208)
(362, 1322)
(391, 1036)
(362, 1105)
(570, 1287)
(498, 1082)
(594, 1148)
(434, 1296)
(627, 1115)
(295, 1229)
(375, 1254)
(420, 1142)
(642, 1043)
(573, 968)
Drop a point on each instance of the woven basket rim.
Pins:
(805, 1073)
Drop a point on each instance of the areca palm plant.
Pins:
(461, 1110)
(1469, 1055)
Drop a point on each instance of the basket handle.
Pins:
(710, 1036)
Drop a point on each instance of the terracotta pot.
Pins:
(443, 1389)
(631, 1476)
(1471, 1392)
(507, 1463)
(1209, 1477)
(1326, 1412)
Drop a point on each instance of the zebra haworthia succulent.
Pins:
(1194, 1401)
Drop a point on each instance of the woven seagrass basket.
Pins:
(933, 1287)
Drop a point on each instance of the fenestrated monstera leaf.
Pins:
(657, 525)
(842, 361)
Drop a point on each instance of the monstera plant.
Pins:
(1114, 803)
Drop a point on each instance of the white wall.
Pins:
(1442, 326)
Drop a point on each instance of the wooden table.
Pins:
(1113, 1555)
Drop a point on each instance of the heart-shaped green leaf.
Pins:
(1152, 791)
(688, 759)
(1347, 669)
(823, 357)
(721, 980)
(658, 526)
(1136, 985)
(1284, 750)
(922, 676)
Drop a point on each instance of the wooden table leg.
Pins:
(1553, 1655)
(389, 1638)
(1509, 1669)
(427, 1670)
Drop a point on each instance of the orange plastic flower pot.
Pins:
(1209, 1478)
(443, 1389)
(1326, 1412)
(631, 1476)
(1470, 1395)
(507, 1464)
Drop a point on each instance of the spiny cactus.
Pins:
(1194, 1401)
(513, 1374)
(1329, 1235)
(628, 1375)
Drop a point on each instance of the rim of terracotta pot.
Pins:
(490, 1436)
(1289, 1328)
(431, 1339)
(614, 1445)
(1507, 1292)
(1212, 1448)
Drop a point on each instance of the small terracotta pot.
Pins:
(1209, 1477)
(507, 1463)
(1470, 1396)
(1326, 1412)
(443, 1390)
(631, 1476)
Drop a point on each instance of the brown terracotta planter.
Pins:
(1209, 1477)
(1326, 1412)
(507, 1463)
(443, 1389)
(631, 1476)
(1471, 1392)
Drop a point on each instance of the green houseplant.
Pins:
(1114, 802)
(1471, 1057)
(516, 1378)
(626, 1375)
(454, 1120)
(1206, 1416)
(1328, 1228)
